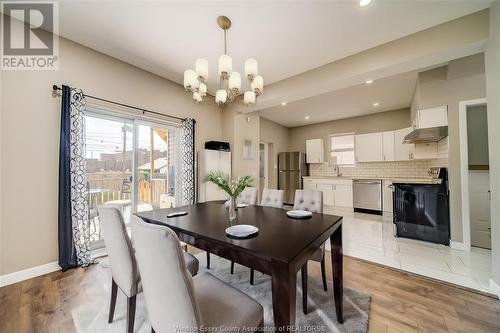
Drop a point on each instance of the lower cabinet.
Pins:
(335, 192)
(343, 196)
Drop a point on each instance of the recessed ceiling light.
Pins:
(283, 103)
(306, 117)
(376, 104)
(369, 81)
(363, 3)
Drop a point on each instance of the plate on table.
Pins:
(242, 230)
(240, 205)
(299, 214)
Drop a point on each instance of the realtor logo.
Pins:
(29, 35)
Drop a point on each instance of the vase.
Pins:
(232, 208)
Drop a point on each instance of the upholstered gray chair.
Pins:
(174, 299)
(311, 201)
(124, 272)
(272, 198)
(248, 196)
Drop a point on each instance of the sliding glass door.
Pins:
(157, 152)
(131, 165)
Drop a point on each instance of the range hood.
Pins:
(426, 135)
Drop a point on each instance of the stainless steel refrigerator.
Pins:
(291, 168)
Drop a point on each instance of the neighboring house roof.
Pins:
(159, 163)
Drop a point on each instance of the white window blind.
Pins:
(343, 149)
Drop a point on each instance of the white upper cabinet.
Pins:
(388, 145)
(433, 117)
(403, 151)
(369, 147)
(315, 151)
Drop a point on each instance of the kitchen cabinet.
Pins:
(343, 196)
(387, 196)
(328, 193)
(388, 145)
(309, 184)
(315, 151)
(336, 192)
(369, 147)
(403, 151)
(432, 117)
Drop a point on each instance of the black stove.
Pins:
(421, 211)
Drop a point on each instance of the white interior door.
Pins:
(479, 197)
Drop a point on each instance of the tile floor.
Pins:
(371, 238)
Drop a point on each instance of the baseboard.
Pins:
(28, 273)
(495, 288)
(457, 245)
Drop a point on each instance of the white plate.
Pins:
(241, 230)
(299, 214)
(240, 205)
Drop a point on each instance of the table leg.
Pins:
(284, 292)
(337, 271)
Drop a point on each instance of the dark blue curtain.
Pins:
(67, 251)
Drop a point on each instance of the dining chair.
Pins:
(248, 196)
(270, 198)
(176, 300)
(311, 201)
(124, 271)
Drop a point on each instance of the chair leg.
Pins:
(304, 287)
(323, 274)
(251, 276)
(131, 313)
(112, 303)
(232, 267)
(208, 260)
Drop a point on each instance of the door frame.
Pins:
(266, 168)
(464, 170)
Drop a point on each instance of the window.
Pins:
(343, 149)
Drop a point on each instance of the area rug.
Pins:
(321, 316)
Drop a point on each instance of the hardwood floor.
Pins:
(401, 302)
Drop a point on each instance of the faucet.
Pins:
(336, 168)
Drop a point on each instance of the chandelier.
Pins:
(195, 81)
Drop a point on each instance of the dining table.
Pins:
(279, 249)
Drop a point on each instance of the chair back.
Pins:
(167, 284)
(120, 250)
(248, 196)
(309, 200)
(272, 198)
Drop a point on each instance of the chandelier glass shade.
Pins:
(230, 85)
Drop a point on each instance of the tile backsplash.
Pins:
(403, 169)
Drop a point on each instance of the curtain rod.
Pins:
(55, 88)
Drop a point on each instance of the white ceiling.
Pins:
(391, 93)
(287, 38)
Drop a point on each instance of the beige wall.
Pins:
(384, 121)
(477, 135)
(30, 140)
(277, 136)
(236, 128)
(493, 94)
(462, 79)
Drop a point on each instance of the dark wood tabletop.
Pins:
(281, 248)
(280, 237)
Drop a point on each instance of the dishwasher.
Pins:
(367, 196)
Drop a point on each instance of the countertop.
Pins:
(407, 180)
